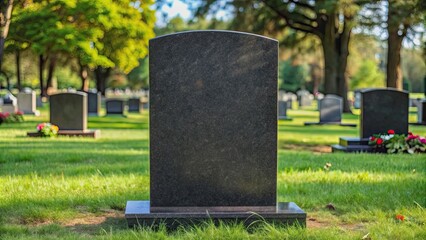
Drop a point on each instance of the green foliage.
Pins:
(292, 76)
(47, 129)
(11, 117)
(368, 75)
(139, 76)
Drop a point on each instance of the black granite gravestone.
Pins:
(134, 104)
(381, 110)
(213, 130)
(330, 110)
(114, 106)
(93, 103)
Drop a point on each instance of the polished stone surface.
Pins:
(213, 120)
(284, 213)
(114, 106)
(93, 103)
(383, 109)
(27, 102)
(69, 110)
(330, 109)
(134, 104)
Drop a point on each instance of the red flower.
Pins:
(379, 141)
(19, 113)
(410, 133)
(372, 138)
(390, 131)
(400, 217)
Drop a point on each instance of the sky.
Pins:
(177, 8)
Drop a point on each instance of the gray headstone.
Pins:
(134, 104)
(304, 98)
(27, 102)
(421, 111)
(213, 124)
(69, 110)
(115, 106)
(383, 109)
(9, 104)
(330, 108)
(357, 99)
(282, 109)
(93, 103)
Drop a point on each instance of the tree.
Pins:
(402, 18)
(6, 7)
(126, 39)
(330, 21)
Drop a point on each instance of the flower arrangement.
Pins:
(398, 143)
(11, 117)
(47, 129)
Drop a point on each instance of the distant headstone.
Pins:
(330, 110)
(357, 99)
(282, 110)
(213, 131)
(304, 98)
(134, 104)
(115, 106)
(383, 109)
(27, 102)
(93, 103)
(421, 112)
(69, 110)
(10, 104)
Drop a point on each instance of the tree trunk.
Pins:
(101, 75)
(84, 78)
(5, 14)
(50, 72)
(342, 44)
(18, 70)
(328, 42)
(40, 69)
(393, 66)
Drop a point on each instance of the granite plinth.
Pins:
(72, 133)
(330, 123)
(350, 144)
(139, 213)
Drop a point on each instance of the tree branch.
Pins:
(296, 24)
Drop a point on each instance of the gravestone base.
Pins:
(35, 113)
(139, 213)
(72, 133)
(349, 144)
(418, 124)
(330, 123)
(285, 118)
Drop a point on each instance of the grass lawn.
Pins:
(77, 188)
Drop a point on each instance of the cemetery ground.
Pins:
(73, 188)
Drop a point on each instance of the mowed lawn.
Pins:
(77, 188)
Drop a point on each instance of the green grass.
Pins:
(77, 188)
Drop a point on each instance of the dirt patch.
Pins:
(93, 224)
(312, 148)
(316, 223)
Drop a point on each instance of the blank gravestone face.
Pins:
(27, 102)
(93, 102)
(69, 111)
(331, 109)
(213, 120)
(383, 109)
(114, 106)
